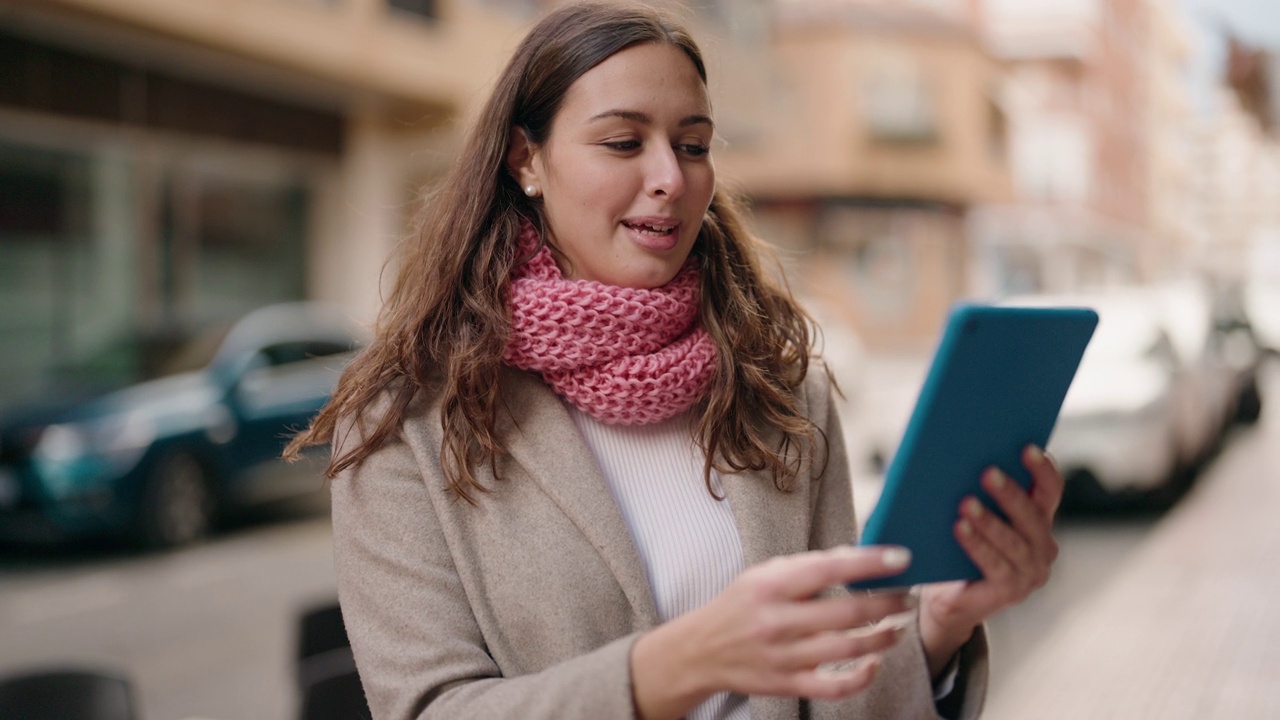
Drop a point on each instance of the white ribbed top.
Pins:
(686, 538)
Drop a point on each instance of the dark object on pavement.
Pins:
(328, 685)
(67, 694)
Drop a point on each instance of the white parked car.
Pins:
(1260, 291)
(1117, 437)
(1261, 299)
(1210, 389)
(1243, 351)
(1151, 396)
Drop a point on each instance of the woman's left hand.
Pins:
(1014, 557)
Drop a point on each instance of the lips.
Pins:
(656, 234)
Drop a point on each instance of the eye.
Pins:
(693, 149)
(622, 145)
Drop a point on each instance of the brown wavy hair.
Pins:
(443, 328)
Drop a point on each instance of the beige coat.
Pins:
(526, 605)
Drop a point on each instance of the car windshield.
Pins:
(1123, 333)
(142, 356)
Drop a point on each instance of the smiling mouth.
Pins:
(654, 230)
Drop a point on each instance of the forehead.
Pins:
(650, 77)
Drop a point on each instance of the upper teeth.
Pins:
(650, 228)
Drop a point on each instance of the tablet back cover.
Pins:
(996, 385)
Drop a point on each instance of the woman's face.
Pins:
(625, 174)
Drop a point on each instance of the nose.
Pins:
(665, 176)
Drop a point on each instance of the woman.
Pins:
(585, 470)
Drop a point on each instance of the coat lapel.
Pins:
(770, 522)
(543, 439)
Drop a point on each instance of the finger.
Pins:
(1028, 519)
(832, 683)
(802, 576)
(1047, 482)
(836, 647)
(839, 613)
(1026, 569)
(995, 565)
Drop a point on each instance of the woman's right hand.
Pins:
(771, 633)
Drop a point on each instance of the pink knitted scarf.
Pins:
(625, 356)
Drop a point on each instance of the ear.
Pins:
(520, 158)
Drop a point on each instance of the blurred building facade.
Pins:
(1079, 101)
(1253, 75)
(180, 159)
(1238, 193)
(176, 160)
(1171, 122)
(172, 161)
(884, 131)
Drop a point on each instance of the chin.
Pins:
(647, 280)
(651, 271)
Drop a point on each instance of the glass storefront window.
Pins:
(234, 240)
(47, 263)
(98, 244)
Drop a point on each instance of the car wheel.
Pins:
(1164, 497)
(1083, 493)
(177, 503)
(1249, 406)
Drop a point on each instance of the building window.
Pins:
(40, 78)
(249, 243)
(897, 98)
(97, 243)
(425, 9)
(60, 281)
(1017, 270)
(998, 131)
(876, 247)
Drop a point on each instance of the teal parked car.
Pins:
(169, 432)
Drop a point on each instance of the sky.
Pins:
(1256, 22)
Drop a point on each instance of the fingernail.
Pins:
(997, 479)
(1035, 453)
(973, 508)
(873, 665)
(965, 528)
(896, 557)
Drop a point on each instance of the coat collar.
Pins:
(545, 441)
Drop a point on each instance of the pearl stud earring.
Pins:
(531, 190)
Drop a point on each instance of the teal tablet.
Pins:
(995, 385)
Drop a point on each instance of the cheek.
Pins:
(707, 182)
(594, 190)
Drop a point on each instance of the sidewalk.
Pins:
(1190, 626)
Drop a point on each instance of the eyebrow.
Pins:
(646, 119)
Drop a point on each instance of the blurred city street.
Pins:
(208, 631)
(1147, 615)
(202, 210)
